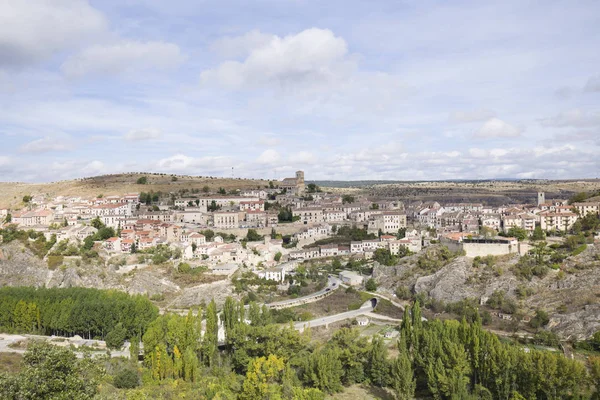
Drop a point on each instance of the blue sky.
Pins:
(348, 89)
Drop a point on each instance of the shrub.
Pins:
(541, 319)
(184, 268)
(126, 378)
(403, 293)
(371, 285)
(142, 180)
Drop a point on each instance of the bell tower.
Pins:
(300, 181)
(541, 198)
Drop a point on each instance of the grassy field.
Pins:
(341, 301)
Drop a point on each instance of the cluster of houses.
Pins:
(412, 241)
(554, 215)
(316, 215)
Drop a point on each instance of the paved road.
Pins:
(332, 284)
(366, 308)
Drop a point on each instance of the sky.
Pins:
(342, 89)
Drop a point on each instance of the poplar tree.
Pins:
(402, 375)
(210, 340)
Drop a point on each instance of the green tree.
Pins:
(385, 257)
(26, 199)
(378, 367)
(54, 373)
(253, 236)
(538, 234)
(97, 223)
(222, 191)
(210, 339)
(263, 379)
(402, 375)
(371, 285)
(126, 378)
(277, 256)
(518, 233)
(540, 319)
(116, 337)
(142, 180)
(323, 370)
(347, 199)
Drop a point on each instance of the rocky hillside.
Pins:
(570, 295)
(20, 267)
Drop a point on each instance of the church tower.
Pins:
(299, 181)
(541, 199)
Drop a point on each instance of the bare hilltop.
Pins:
(11, 193)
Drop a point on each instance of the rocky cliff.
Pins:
(571, 297)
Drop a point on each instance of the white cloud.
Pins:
(573, 118)
(496, 128)
(310, 57)
(268, 157)
(241, 46)
(471, 116)
(187, 164)
(593, 84)
(143, 134)
(94, 167)
(123, 56)
(34, 30)
(269, 140)
(303, 157)
(5, 161)
(47, 144)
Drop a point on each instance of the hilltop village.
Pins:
(266, 227)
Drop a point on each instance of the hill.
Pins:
(11, 193)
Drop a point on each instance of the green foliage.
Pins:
(499, 301)
(213, 206)
(26, 199)
(579, 197)
(150, 197)
(222, 191)
(70, 311)
(323, 370)
(539, 320)
(403, 293)
(402, 374)
(538, 234)
(253, 236)
(371, 285)
(277, 256)
(312, 188)
(385, 257)
(285, 215)
(116, 337)
(347, 199)
(518, 233)
(533, 264)
(126, 378)
(142, 180)
(52, 373)
(434, 259)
